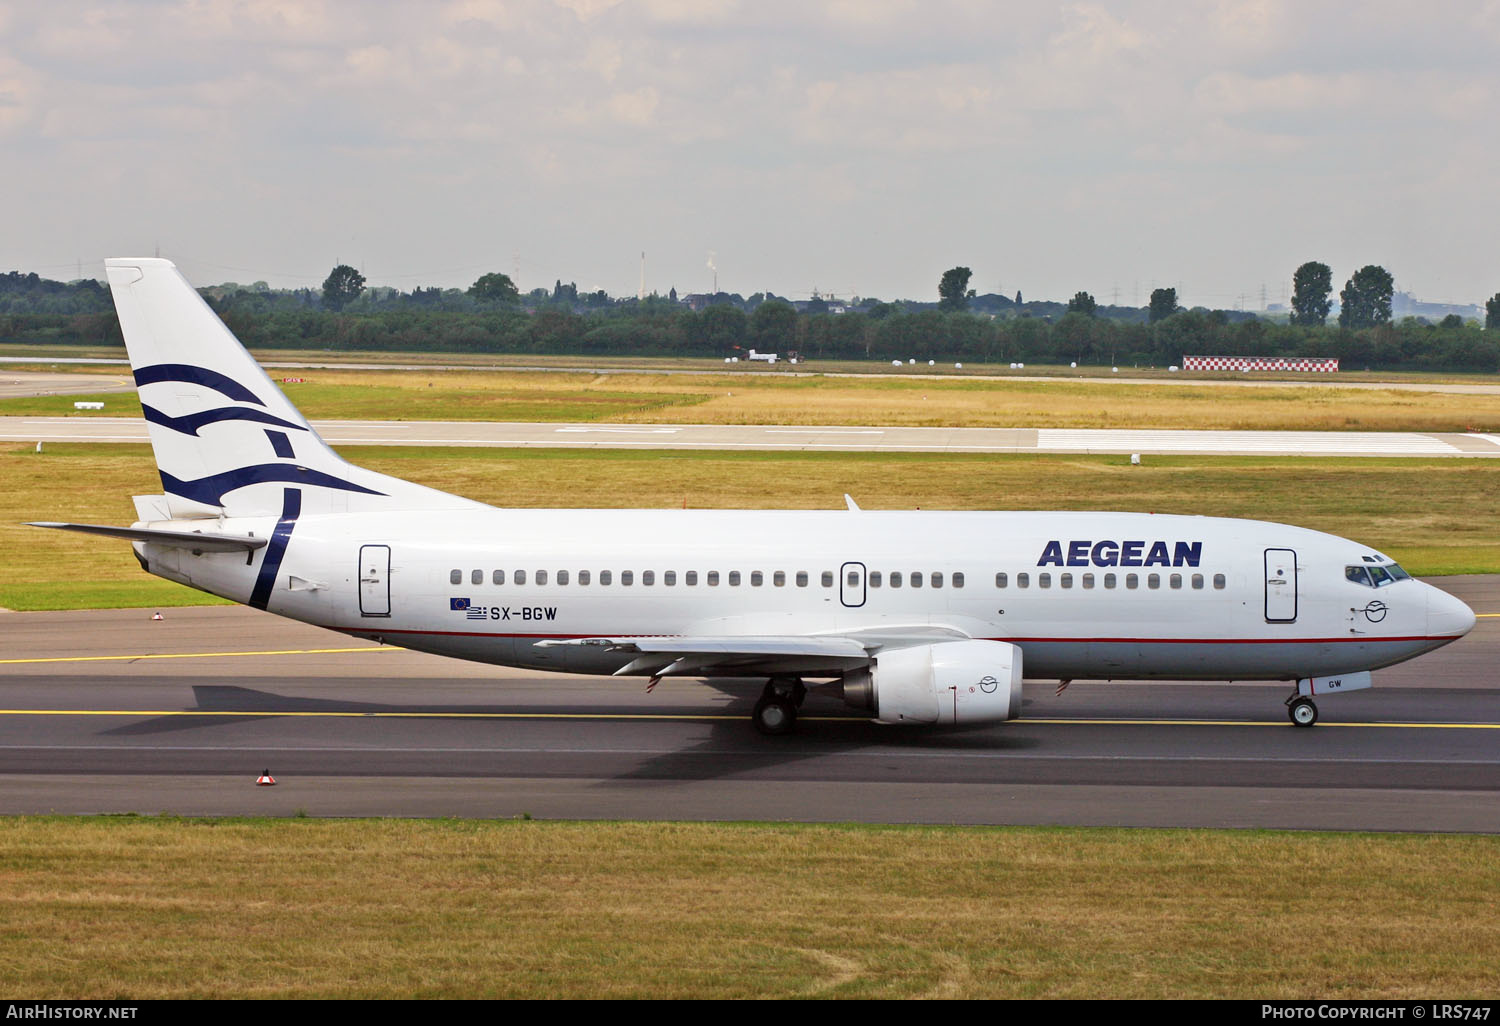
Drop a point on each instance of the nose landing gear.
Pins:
(1302, 710)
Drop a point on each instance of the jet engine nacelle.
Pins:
(950, 682)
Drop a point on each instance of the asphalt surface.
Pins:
(112, 711)
(95, 427)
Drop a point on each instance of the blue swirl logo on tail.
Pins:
(190, 423)
(211, 490)
(221, 383)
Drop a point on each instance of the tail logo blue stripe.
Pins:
(189, 424)
(211, 490)
(221, 383)
(291, 509)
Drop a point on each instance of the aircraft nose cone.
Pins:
(1447, 616)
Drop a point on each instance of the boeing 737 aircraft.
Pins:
(919, 617)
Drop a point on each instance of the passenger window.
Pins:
(916, 578)
(691, 579)
(958, 578)
(874, 578)
(498, 577)
(756, 579)
(1197, 582)
(627, 578)
(541, 577)
(713, 578)
(1109, 580)
(1153, 581)
(1065, 580)
(895, 578)
(1044, 580)
(455, 577)
(669, 578)
(1219, 582)
(1000, 580)
(937, 580)
(1088, 581)
(1176, 581)
(801, 578)
(1132, 581)
(779, 578)
(562, 577)
(648, 577)
(604, 577)
(827, 578)
(583, 577)
(734, 578)
(853, 578)
(477, 577)
(1023, 580)
(520, 577)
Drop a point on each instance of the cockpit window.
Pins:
(1376, 576)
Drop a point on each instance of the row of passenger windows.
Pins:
(1132, 581)
(711, 577)
(875, 579)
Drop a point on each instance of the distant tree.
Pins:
(1083, 303)
(773, 323)
(1451, 322)
(1163, 305)
(495, 288)
(953, 289)
(565, 293)
(1366, 299)
(1492, 313)
(342, 287)
(1018, 297)
(1311, 286)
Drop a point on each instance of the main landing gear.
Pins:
(776, 711)
(1302, 710)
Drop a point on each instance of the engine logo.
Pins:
(988, 684)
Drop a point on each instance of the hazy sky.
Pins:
(852, 146)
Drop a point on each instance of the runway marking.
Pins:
(716, 717)
(195, 655)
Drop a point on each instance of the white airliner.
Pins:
(919, 617)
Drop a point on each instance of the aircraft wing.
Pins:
(811, 655)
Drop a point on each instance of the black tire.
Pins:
(1303, 712)
(774, 716)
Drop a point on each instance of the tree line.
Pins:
(494, 317)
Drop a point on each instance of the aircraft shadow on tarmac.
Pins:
(827, 727)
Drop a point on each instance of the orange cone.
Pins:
(265, 779)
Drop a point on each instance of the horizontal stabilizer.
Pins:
(182, 539)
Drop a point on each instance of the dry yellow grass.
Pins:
(149, 908)
(820, 400)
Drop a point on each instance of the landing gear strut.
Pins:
(776, 711)
(1302, 710)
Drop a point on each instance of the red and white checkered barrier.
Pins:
(1316, 364)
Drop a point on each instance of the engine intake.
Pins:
(950, 682)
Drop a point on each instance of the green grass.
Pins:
(730, 398)
(1436, 516)
(129, 907)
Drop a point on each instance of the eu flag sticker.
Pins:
(458, 604)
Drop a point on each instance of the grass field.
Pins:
(818, 400)
(1435, 516)
(161, 908)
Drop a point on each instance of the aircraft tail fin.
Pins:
(227, 441)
